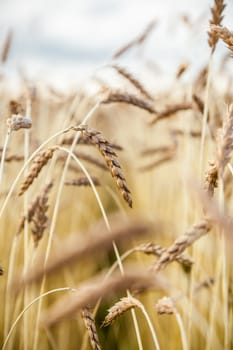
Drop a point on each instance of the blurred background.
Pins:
(62, 42)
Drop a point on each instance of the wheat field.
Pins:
(115, 209)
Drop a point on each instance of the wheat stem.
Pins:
(41, 296)
(4, 155)
(54, 217)
(205, 114)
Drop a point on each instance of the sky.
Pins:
(59, 40)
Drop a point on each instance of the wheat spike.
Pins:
(91, 328)
(118, 97)
(207, 283)
(18, 121)
(6, 47)
(181, 243)
(181, 69)
(223, 33)
(137, 41)
(170, 111)
(85, 141)
(211, 178)
(123, 305)
(216, 19)
(110, 158)
(156, 249)
(39, 218)
(39, 162)
(198, 104)
(225, 142)
(83, 181)
(165, 305)
(134, 81)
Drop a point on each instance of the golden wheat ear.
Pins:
(89, 322)
(110, 157)
(217, 17)
(39, 162)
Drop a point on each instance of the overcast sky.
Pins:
(52, 37)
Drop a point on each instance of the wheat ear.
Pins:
(39, 162)
(217, 16)
(110, 157)
(91, 328)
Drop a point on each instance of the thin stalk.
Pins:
(7, 138)
(205, 114)
(224, 270)
(25, 166)
(26, 242)
(7, 311)
(52, 291)
(151, 327)
(54, 217)
(182, 331)
(109, 229)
